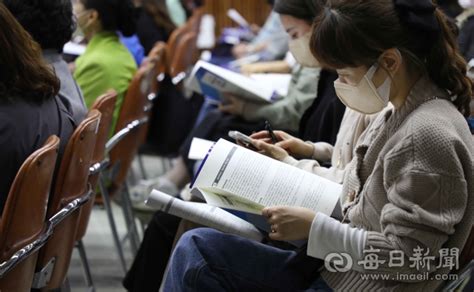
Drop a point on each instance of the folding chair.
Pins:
(185, 56)
(122, 149)
(70, 193)
(173, 42)
(467, 254)
(105, 104)
(23, 224)
(156, 68)
(194, 22)
(466, 267)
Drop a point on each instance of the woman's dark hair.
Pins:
(302, 9)
(23, 73)
(452, 8)
(115, 15)
(352, 33)
(50, 22)
(158, 10)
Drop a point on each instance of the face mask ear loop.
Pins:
(371, 72)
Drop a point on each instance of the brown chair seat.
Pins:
(71, 185)
(23, 220)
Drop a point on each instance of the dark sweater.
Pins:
(24, 127)
(322, 120)
(148, 32)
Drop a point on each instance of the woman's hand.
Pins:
(233, 105)
(275, 152)
(294, 146)
(289, 223)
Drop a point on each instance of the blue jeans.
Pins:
(208, 260)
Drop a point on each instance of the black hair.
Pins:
(23, 72)
(452, 8)
(115, 15)
(418, 29)
(302, 9)
(49, 22)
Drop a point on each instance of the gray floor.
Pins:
(106, 269)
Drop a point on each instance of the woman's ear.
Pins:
(93, 16)
(391, 60)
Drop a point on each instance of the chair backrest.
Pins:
(134, 108)
(23, 219)
(105, 104)
(185, 54)
(173, 42)
(157, 67)
(194, 22)
(467, 254)
(158, 59)
(71, 184)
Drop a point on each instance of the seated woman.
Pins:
(159, 236)
(400, 199)
(106, 63)
(30, 112)
(311, 108)
(51, 24)
(271, 42)
(154, 24)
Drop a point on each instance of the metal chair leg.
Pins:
(130, 219)
(65, 287)
(85, 266)
(141, 164)
(113, 227)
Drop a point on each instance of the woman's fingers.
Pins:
(286, 144)
(260, 135)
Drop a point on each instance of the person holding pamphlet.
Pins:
(398, 198)
(329, 111)
(314, 119)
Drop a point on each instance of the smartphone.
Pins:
(236, 135)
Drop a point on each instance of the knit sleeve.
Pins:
(426, 200)
(427, 197)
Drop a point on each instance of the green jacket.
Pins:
(106, 64)
(287, 112)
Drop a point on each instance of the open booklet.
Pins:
(236, 178)
(213, 81)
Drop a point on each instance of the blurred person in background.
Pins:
(30, 111)
(51, 24)
(154, 23)
(106, 63)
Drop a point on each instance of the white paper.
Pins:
(207, 33)
(199, 148)
(203, 214)
(238, 18)
(280, 82)
(235, 172)
(74, 49)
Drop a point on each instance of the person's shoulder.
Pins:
(437, 117)
(17, 114)
(438, 126)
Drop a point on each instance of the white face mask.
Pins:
(299, 48)
(365, 97)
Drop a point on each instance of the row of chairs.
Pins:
(36, 253)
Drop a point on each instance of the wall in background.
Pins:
(255, 11)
